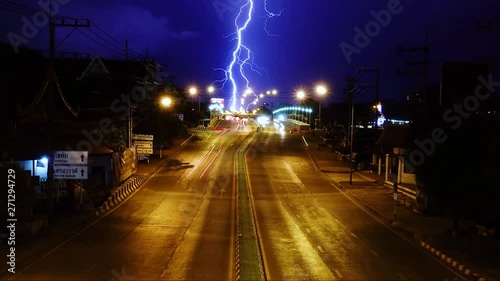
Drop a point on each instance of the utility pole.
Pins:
(350, 92)
(50, 105)
(424, 50)
(376, 86)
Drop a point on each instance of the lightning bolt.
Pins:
(242, 55)
(268, 16)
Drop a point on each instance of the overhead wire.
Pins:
(114, 39)
(8, 5)
(97, 42)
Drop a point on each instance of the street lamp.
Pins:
(166, 101)
(193, 92)
(272, 92)
(211, 89)
(301, 94)
(321, 91)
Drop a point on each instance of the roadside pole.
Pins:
(395, 196)
(81, 195)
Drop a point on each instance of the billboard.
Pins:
(219, 101)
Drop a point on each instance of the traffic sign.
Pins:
(71, 157)
(142, 137)
(144, 144)
(144, 150)
(73, 172)
(395, 196)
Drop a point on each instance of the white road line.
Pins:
(201, 160)
(362, 207)
(210, 164)
(100, 217)
(402, 276)
(354, 235)
(338, 273)
(373, 252)
(298, 216)
(308, 230)
(320, 249)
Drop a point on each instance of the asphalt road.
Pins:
(309, 230)
(178, 226)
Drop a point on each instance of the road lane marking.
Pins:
(116, 207)
(298, 216)
(353, 235)
(304, 139)
(308, 230)
(210, 164)
(265, 264)
(374, 253)
(369, 213)
(201, 160)
(320, 249)
(310, 157)
(224, 132)
(338, 273)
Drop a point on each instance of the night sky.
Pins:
(193, 37)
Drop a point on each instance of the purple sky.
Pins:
(190, 37)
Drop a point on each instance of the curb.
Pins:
(120, 194)
(366, 178)
(454, 263)
(366, 205)
(129, 187)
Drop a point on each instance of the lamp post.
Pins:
(165, 102)
(193, 92)
(321, 91)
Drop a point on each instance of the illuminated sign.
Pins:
(219, 101)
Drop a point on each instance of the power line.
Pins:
(15, 9)
(18, 7)
(114, 39)
(8, 5)
(65, 37)
(107, 41)
(97, 42)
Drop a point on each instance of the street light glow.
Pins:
(321, 90)
(210, 89)
(301, 95)
(166, 101)
(193, 91)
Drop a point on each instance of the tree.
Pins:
(116, 139)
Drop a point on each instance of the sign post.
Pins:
(144, 145)
(71, 165)
(395, 186)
